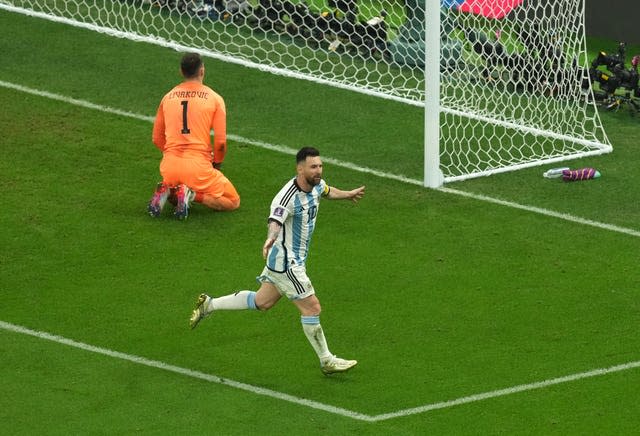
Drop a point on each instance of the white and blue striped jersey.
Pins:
(296, 210)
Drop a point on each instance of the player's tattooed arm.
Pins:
(274, 229)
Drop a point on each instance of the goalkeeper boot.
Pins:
(200, 312)
(173, 199)
(184, 197)
(158, 200)
(336, 364)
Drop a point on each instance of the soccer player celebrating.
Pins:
(291, 223)
(190, 167)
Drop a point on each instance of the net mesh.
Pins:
(512, 84)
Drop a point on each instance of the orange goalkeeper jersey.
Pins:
(184, 121)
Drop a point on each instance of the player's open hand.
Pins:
(356, 194)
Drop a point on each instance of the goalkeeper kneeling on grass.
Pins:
(291, 223)
(190, 167)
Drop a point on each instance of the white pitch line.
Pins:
(310, 403)
(288, 150)
(184, 371)
(75, 101)
(507, 391)
(547, 212)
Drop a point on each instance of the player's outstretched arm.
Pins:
(353, 195)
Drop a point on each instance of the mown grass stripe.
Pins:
(184, 371)
(314, 404)
(348, 165)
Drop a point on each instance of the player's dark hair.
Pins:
(190, 65)
(306, 152)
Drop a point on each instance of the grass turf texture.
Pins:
(438, 296)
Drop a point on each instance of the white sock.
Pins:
(313, 330)
(241, 300)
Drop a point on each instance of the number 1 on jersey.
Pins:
(185, 128)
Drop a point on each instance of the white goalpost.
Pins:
(504, 83)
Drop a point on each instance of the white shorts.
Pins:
(293, 283)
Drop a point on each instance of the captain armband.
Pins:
(326, 190)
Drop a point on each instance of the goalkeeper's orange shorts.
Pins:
(198, 174)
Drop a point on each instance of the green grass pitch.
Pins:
(439, 296)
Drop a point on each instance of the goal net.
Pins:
(512, 73)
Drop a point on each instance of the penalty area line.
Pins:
(508, 391)
(184, 371)
(343, 164)
(310, 403)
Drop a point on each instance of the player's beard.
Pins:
(314, 180)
